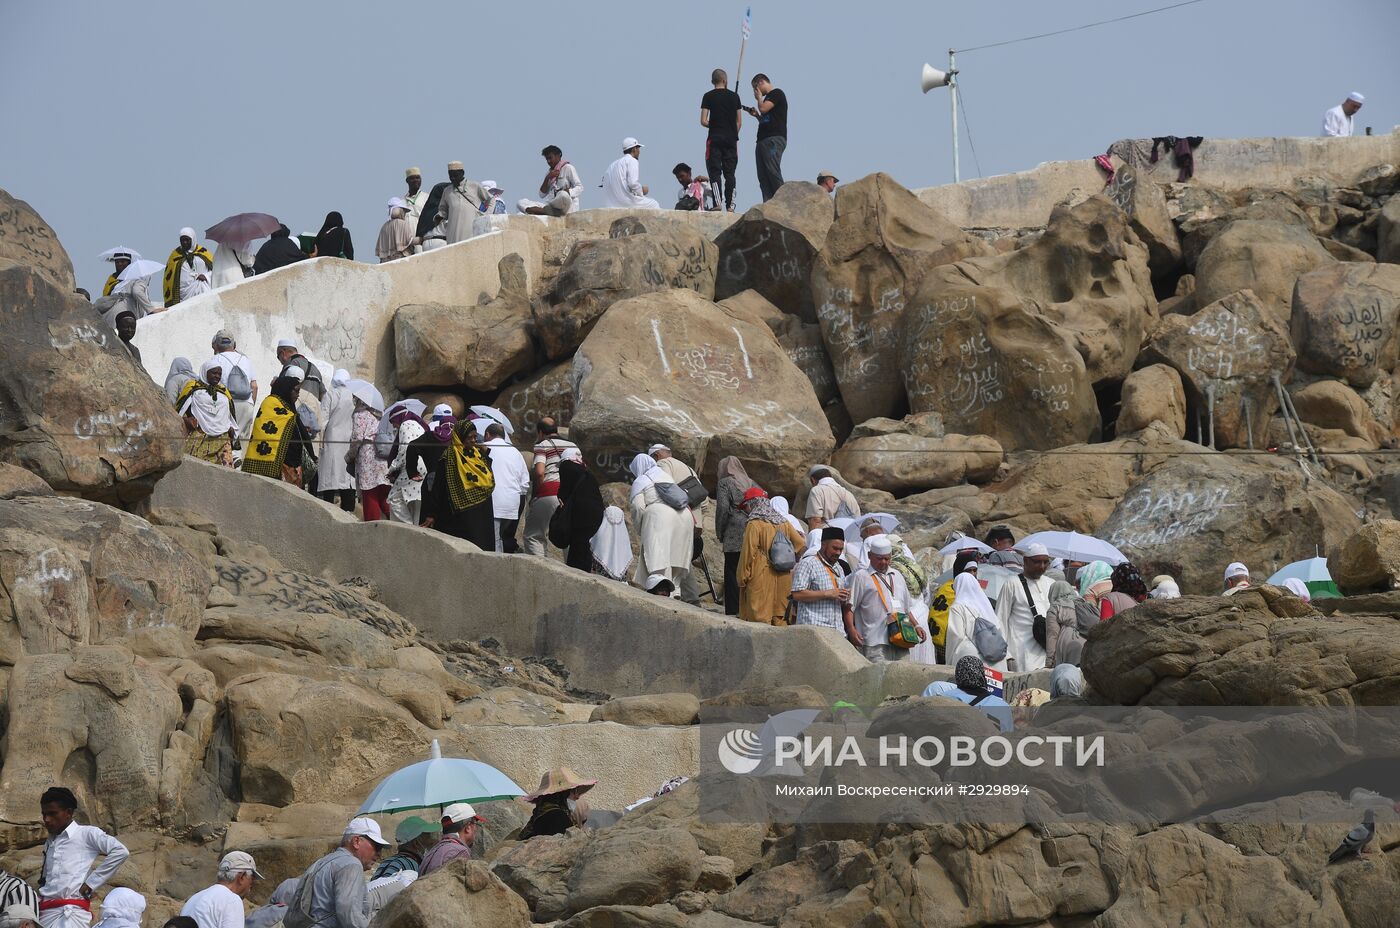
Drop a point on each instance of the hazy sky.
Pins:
(125, 121)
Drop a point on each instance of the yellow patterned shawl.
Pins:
(175, 266)
(267, 446)
(469, 478)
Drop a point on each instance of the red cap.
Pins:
(753, 493)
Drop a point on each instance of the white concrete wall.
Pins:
(339, 312)
(1024, 199)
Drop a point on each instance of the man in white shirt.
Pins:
(69, 878)
(1337, 122)
(1015, 612)
(512, 486)
(221, 905)
(622, 183)
(828, 499)
(227, 354)
(561, 188)
(877, 592)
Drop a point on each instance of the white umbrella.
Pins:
(140, 267)
(888, 523)
(491, 412)
(111, 253)
(962, 544)
(367, 393)
(1072, 546)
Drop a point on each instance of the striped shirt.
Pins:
(812, 573)
(14, 891)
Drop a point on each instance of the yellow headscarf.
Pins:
(469, 478)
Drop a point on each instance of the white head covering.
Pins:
(207, 366)
(1236, 569)
(441, 410)
(1298, 588)
(294, 372)
(211, 412)
(1355, 97)
(784, 509)
(879, 544)
(341, 378)
(968, 591)
(286, 343)
(611, 548)
(122, 909)
(1034, 549)
(655, 580)
(571, 454)
(644, 471)
(181, 373)
(1066, 680)
(814, 542)
(190, 232)
(1164, 587)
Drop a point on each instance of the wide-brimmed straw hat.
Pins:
(558, 780)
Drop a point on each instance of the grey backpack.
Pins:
(237, 382)
(989, 641)
(781, 556)
(672, 495)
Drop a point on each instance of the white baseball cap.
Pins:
(1236, 570)
(239, 862)
(630, 143)
(460, 812)
(491, 187)
(1034, 549)
(442, 409)
(294, 372)
(367, 827)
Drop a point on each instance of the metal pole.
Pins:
(953, 96)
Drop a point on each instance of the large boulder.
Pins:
(772, 247)
(1145, 205)
(1388, 232)
(902, 462)
(463, 894)
(638, 866)
(991, 364)
(882, 243)
(1370, 559)
(704, 379)
(1261, 647)
(1087, 275)
(479, 347)
(1230, 350)
(1265, 256)
(75, 408)
(97, 720)
(1344, 320)
(26, 240)
(1153, 394)
(1331, 404)
(74, 573)
(1193, 515)
(550, 392)
(636, 258)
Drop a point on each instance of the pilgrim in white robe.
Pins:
(337, 424)
(622, 186)
(229, 261)
(459, 206)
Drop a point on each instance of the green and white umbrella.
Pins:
(1314, 574)
(439, 781)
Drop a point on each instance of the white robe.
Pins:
(1016, 620)
(667, 536)
(133, 295)
(227, 266)
(336, 426)
(190, 284)
(1336, 123)
(622, 186)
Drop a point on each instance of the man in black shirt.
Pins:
(719, 112)
(771, 112)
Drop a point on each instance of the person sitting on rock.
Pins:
(333, 892)
(459, 826)
(188, 270)
(560, 189)
(1236, 578)
(132, 294)
(828, 499)
(622, 185)
(279, 250)
(970, 686)
(557, 804)
(696, 194)
(415, 836)
(221, 905)
(70, 873)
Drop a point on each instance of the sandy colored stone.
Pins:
(1153, 394)
(1265, 256)
(1370, 559)
(771, 248)
(478, 347)
(463, 894)
(26, 240)
(657, 709)
(1331, 404)
(1344, 320)
(901, 463)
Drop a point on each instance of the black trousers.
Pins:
(768, 153)
(508, 543)
(731, 583)
(347, 498)
(721, 160)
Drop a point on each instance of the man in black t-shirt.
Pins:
(771, 110)
(719, 112)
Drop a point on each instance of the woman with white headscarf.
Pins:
(969, 604)
(122, 908)
(396, 235)
(667, 534)
(333, 480)
(207, 410)
(784, 509)
(232, 262)
(612, 549)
